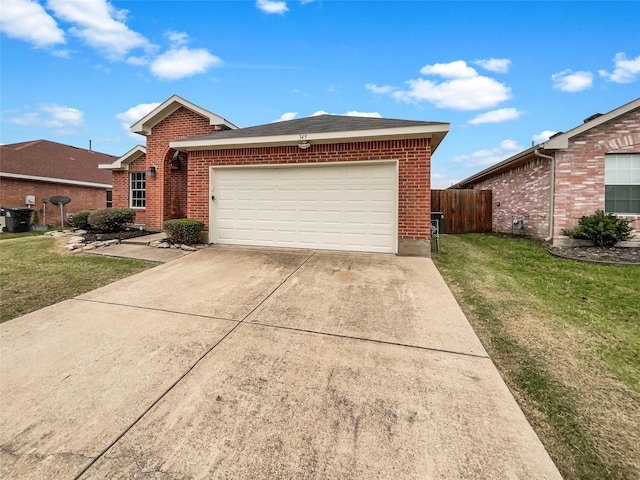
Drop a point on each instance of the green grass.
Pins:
(35, 273)
(521, 301)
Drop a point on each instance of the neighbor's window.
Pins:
(109, 198)
(622, 183)
(137, 190)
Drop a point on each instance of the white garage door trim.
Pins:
(364, 219)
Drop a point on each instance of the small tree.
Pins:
(603, 229)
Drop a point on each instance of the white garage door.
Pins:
(336, 207)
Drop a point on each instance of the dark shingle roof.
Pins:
(317, 124)
(42, 158)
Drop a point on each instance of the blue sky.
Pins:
(503, 74)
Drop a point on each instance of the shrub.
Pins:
(81, 219)
(111, 219)
(603, 229)
(183, 230)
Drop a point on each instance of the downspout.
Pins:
(552, 189)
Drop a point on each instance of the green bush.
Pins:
(111, 219)
(183, 230)
(81, 219)
(603, 229)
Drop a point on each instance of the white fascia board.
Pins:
(166, 108)
(123, 162)
(419, 131)
(562, 141)
(20, 176)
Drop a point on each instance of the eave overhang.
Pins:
(436, 132)
(123, 162)
(169, 106)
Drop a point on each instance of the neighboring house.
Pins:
(549, 187)
(328, 182)
(32, 172)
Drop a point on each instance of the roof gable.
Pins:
(561, 140)
(49, 161)
(557, 142)
(317, 129)
(123, 162)
(166, 108)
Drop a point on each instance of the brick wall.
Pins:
(13, 191)
(167, 192)
(579, 181)
(414, 158)
(523, 192)
(580, 169)
(120, 181)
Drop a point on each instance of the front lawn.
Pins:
(566, 339)
(35, 272)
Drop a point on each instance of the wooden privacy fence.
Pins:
(465, 211)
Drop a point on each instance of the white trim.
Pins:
(166, 108)
(421, 131)
(123, 162)
(562, 140)
(55, 180)
(213, 168)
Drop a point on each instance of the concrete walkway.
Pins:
(259, 364)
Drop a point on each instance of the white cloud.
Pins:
(286, 116)
(52, 115)
(100, 25)
(460, 94)
(177, 38)
(465, 89)
(380, 90)
(497, 116)
(489, 156)
(441, 181)
(27, 20)
(319, 112)
(498, 65)
(625, 70)
(269, 6)
(543, 136)
(134, 114)
(570, 81)
(183, 62)
(457, 69)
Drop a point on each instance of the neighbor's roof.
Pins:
(166, 108)
(317, 129)
(47, 161)
(556, 142)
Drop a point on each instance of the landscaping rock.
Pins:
(72, 246)
(164, 245)
(91, 246)
(109, 243)
(188, 248)
(76, 239)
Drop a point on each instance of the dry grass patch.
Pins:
(564, 336)
(35, 272)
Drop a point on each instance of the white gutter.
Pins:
(55, 180)
(552, 189)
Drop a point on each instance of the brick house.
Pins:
(328, 181)
(549, 187)
(31, 172)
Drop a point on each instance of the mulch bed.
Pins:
(608, 255)
(125, 235)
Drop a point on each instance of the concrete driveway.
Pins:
(247, 363)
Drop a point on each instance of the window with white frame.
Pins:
(137, 190)
(622, 183)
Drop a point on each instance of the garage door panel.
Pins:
(332, 207)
